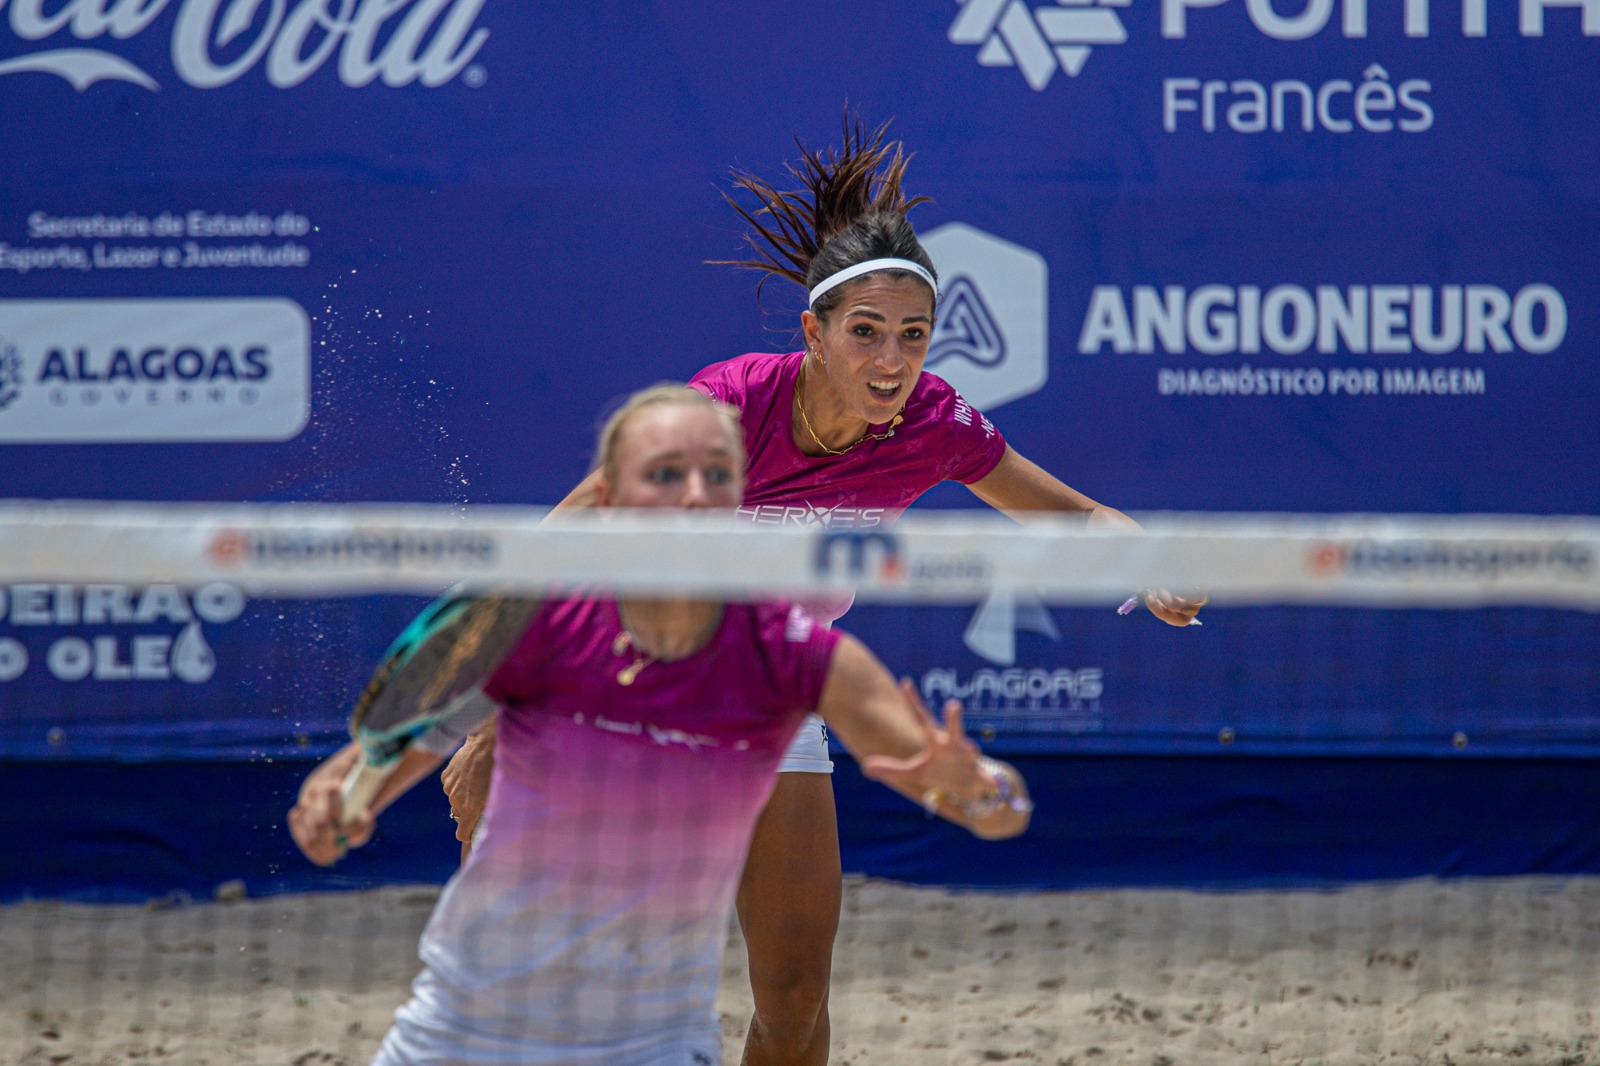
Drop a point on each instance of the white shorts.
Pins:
(808, 752)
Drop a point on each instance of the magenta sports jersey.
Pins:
(943, 438)
(588, 922)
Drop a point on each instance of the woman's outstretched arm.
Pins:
(1019, 487)
(899, 743)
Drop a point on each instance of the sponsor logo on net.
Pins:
(877, 556)
(1042, 40)
(119, 632)
(216, 42)
(1294, 320)
(1473, 560)
(342, 550)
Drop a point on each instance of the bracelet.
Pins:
(1002, 795)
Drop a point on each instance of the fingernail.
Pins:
(1129, 604)
(1196, 622)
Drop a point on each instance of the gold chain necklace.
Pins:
(801, 404)
(641, 658)
(630, 673)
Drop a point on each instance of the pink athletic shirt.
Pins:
(943, 438)
(588, 922)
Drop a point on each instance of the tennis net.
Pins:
(1348, 820)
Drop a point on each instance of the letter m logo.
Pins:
(860, 547)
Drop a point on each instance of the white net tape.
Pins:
(328, 550)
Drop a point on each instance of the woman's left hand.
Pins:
(1176, 610)
(948, 760)
(948, 775)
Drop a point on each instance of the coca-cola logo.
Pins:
(216, 42)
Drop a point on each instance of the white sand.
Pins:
(1446, 973)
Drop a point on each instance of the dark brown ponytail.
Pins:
(849, 208)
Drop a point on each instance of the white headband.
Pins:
(833, 281)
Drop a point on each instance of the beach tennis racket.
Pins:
(429, 674)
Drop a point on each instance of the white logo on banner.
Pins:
(992, 345)
(427, 41)
(103, 371)
(10, 373)
(1254, 321)
(130, 651)
(991, 341)
(1315, 16)
(992, 630)
(1337, 105)
(1290, 319)
(1040, 41)
(1027, 700)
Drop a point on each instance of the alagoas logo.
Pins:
(991, 340)
(1069, 699)
(119, 371)
(10, 374)
(216, 42)
(1024, 698)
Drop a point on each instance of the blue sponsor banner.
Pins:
(1197, 255)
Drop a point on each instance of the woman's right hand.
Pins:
(466, 779)
(315, 819)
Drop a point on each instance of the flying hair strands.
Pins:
(838, 189)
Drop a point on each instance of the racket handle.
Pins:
(361, 784)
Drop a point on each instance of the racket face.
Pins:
(449, 649)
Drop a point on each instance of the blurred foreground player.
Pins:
(638, 740)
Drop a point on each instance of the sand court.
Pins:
(1442, 973)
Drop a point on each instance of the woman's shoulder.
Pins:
(793, 649)
(932, 387)
(746, 374)
(774, 625)
(935, 399)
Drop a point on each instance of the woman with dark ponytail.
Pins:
(846, 432)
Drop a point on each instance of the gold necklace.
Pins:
(630, 673)
(801, 404)
(641, 658)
